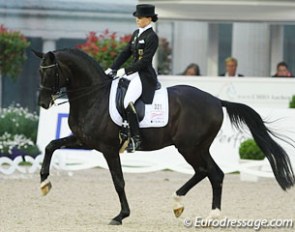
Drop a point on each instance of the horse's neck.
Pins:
(86, 97)
(87, 85)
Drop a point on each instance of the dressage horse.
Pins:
(195, 118)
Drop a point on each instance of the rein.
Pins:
(88, 90)
(58, 93)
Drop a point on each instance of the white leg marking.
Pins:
(177, 201)
(214, 214)
(178, 206)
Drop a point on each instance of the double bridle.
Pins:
(56, 91)
(56, 88)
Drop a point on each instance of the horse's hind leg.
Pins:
(215, 175)
(204, 166)
(199, 165)
(67, 142)
(180, 193)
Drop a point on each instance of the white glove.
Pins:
(121, 72)
(108, 71)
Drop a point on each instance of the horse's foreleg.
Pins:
(114, 164)
(67, 142)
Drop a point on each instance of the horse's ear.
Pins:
(38, 54)
(51, 56)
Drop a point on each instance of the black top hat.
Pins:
(146, 10)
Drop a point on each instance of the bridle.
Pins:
(56, 91)
(56, 88)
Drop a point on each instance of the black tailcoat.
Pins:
(142, 49)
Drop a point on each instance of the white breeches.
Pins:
(134, 89)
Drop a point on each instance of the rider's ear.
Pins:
(38, 54)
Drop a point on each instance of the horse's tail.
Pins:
(242, 114)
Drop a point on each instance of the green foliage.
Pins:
(18, 131)
(12, 51)
(18, 120)
(10, 143)
(104, 48)
(292, 102)
(249, 150)
(164, 57)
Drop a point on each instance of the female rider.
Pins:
(141, 74)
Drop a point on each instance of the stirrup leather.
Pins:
(124, 136)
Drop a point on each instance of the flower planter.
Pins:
(16, 153)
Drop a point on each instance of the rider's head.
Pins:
(145, 14)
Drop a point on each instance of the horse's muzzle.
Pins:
(45, 101)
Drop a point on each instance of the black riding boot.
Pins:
(124, 133)
(135, 141)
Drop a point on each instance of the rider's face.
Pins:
(143, 21)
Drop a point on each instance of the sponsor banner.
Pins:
(255, 92)
(53, 124)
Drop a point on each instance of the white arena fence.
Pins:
(53, 124)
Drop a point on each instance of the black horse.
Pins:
(195, 117)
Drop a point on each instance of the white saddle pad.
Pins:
(156, 114)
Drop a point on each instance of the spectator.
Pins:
(231, 65)
(282, 70)
(192, 70)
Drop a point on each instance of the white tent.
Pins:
(226, 10)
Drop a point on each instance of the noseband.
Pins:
(55, 89)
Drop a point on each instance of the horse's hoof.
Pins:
(178, 207)
(115, 223)
(178, 211)
(45, 187)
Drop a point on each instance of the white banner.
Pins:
(270, 97)
(53, 125)
(255, 92)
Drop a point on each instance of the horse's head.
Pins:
(51, 79)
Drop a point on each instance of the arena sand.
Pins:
(86, 201)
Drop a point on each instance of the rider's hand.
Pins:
(111, 73)
(121, 72)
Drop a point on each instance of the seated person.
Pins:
(282, 70)
(192, 70)
(231, 65)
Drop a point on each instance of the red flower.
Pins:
(104, 47)
(113, 36)
(125, 38)
(12, 55)
(2, 28)
(92, 37)
(106, 31)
